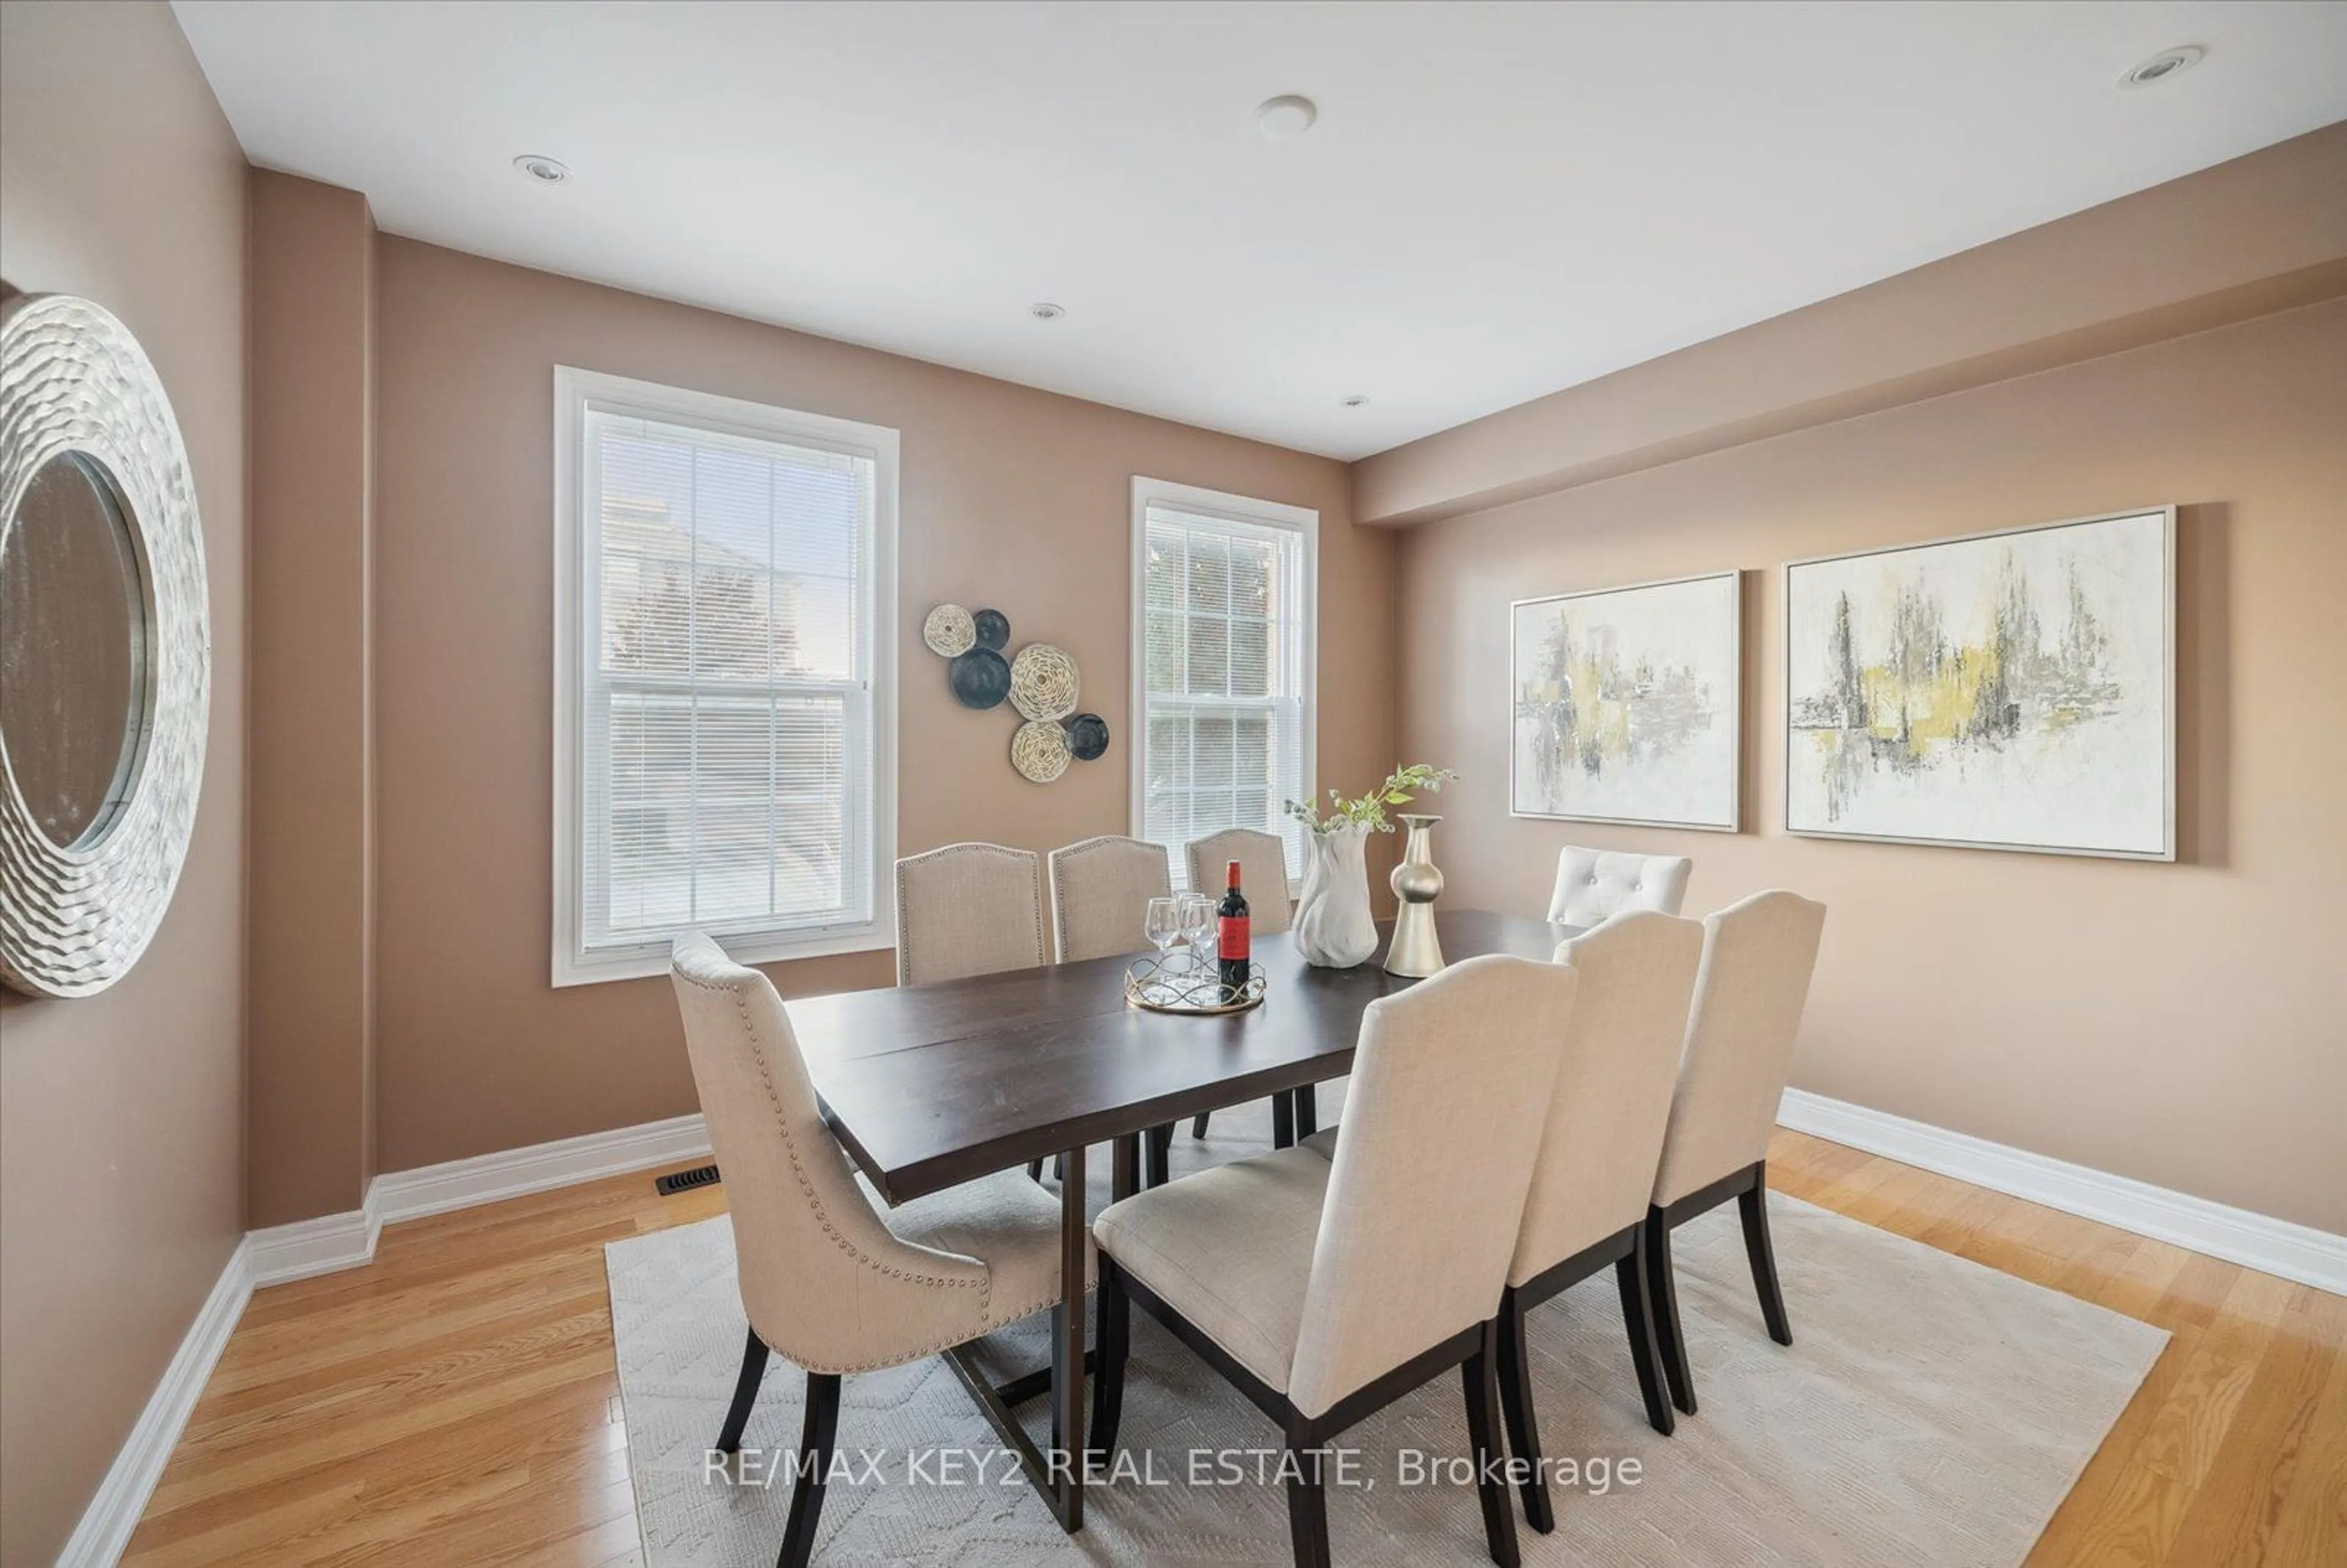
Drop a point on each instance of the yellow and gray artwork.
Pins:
(1627, 704)
(2011, 691)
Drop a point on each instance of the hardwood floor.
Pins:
(455, 1402)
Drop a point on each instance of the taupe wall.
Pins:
(1010, 497)
(2185, 1025)
(2246, 238)
(121, 1115)
(312, 1029)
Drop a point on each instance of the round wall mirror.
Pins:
(73, 649)
(105, 650)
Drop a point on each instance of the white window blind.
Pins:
(728, 708)
(1224, 677)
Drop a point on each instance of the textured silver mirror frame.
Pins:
(73, 379)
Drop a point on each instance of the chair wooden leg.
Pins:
(1157, 1144)
(1483, 1434)
(1059, 1167)
(1283, 1121)
(1307, 1112)
(1308, 1501)
(1112, 1311)
(1198, 1124)
(1638, 1319)
(1663, 1301)
(745, 1394)
(1516, 1410)
(816, 1441)
(1753, 1203)
(1035, 1170)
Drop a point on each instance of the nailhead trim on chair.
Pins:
(904, 943)
(984, 1285)
(1085, 846)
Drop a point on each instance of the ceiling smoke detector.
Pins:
(1045, 311)
(1356, 401)
(1286, 117)
(542, 169)
(2164, 65)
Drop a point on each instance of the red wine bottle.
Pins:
(1231, 936)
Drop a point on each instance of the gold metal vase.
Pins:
(1416, 951)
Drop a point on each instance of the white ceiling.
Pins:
(1498, 199)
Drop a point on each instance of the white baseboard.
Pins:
(331, 1241)
(541, 1167)
(2293, 1251)
(322, 1246)
(98, 1542)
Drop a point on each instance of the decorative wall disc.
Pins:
(1043, 682)
(950, 631)
(1088, 737)
(979, 679)
(993, 628)
(74, 386)
(1038, 750)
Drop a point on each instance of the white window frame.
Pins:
(1220, 503)
(573, 962)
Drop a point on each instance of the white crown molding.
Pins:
(98, 1542)
(2292, 1251)
(541, 1167)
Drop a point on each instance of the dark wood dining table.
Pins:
(930, 1086)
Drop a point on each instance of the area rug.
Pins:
(1929, 1412)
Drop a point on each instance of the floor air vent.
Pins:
(685, 1180)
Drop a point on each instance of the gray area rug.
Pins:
(1930, 1411)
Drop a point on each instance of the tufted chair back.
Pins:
(1592, 885)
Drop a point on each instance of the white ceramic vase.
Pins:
(1333, 927)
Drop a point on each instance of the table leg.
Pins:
(1307, 1112)
(1067, 1348)
(1125, 1169)
(1283, 1120)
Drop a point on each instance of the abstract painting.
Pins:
(2011, 691)
(1628, 704)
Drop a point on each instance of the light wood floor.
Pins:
(455, 1402)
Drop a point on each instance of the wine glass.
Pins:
(1197, 924)
(1161, 924)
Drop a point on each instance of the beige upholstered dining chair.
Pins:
(1592, 885)
(1587, 1203)
(1757, 957)
(1263, 873)
(1325, 1288)
(1099, 890)
(825, 1279)
(967, 909)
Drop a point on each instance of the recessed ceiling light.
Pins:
(1286, 117)
(544, 170)
(1045, 311)
(1357, 401)
(2164, 65)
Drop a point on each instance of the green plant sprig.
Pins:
(1368, 812)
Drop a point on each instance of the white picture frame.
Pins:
(2094, 767)
(1696, 782)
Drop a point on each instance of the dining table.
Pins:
(927, 1087)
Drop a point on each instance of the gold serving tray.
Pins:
(1150, 983)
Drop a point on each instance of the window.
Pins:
(725, 703)
(1223, 590)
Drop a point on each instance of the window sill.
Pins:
(753, 948)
